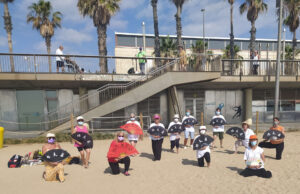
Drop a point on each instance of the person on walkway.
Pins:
(277, 144)
(189, 130)
(255, 63)
(183, 59)
(133, 138)
(157, 141)
(254, 158)
(175, 137)
(85, 151)
(248, 132)
(203, 153)
(218, 131)
(54, 171)
(142, 61)
(60, 59)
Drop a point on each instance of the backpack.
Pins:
(15, 161)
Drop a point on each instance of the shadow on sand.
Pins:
(146, 155)
(238, 170)
(189, 162)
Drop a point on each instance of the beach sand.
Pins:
(175, 173)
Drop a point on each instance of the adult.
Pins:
(114, 162)
(174, 137)
(157, 140)
(60, 59)
(133, 138)
(255, 63)
(183, 59)
(142, 61)
(203, 153)
(248, 132)
(189, 130)
(84, 150)
(54, 171)
(254, 158)
(277, 144)
(218, 131)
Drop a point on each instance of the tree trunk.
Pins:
(231, 33)
(178, 27)
(48, 45)
(156, 32)
(8, 28)
(101, 29)
(294, 44)
(252, 39)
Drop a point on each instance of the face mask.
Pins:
(218, 113)
(80, 123)
(121, 138)
(253, 143)
(132, 118)
(51, 140)
(276, 123)
(176, 120)
(187, 113)
(202, 132)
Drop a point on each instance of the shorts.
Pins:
(188, 133)
(83, 148)
(60, 64)
(219, 134)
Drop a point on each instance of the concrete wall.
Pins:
(65, 96)
(93, 99)
(164, 107)
(8, 109)
(131, 109)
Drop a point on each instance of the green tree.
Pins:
(227, 52)
(231, 2)
(156, 31)
(8, 28)
(167, 48)
(101, 12)
(289, 52)
(253, 8)
(44, 20)
(292, 7)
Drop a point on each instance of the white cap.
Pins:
(50, 135)
(79, 118)
(176, 116)
(202, 127)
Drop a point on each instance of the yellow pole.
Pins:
(202, 118)
(257, 117)
(1, 136)
(142, 125)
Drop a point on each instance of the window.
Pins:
(287, 105)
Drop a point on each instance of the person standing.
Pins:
(60, 59)
(277, 144)
(142, 61)
(248, 132)
(157, 140)
(218, 131)
(189, 130)
(203, 153)
(255, 63)
(183, 60)
(84, 150)
(133, 138)
(175, 137)
(53, 170)
(255, 158)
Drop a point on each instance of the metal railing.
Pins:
(238, 67)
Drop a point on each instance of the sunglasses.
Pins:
(51, 137)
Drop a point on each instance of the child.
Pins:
(203, 153)
(175, 137)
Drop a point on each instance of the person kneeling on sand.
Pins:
(203, 153)
(53, 170)
(255, 158)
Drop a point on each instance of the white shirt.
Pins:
(253, 157)
(191, 128)
(248, 133)
(173, 136)
(220, 128)
(200, 153)
(152, 125)
(133, 137)
(59, 52)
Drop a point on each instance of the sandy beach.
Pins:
(175, 173)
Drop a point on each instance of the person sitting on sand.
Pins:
(248, 132)
(218, 130)
(175, 137)
(255, 158)
(133, 138)
(54, 171)
(84, 151)
(203, 153)
(157, 141)
(277, 144)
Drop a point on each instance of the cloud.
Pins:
(72, 36)
(131, 4)
(118, 24)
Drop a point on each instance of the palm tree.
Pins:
(292, 7)
(179, 5)
(101, 12)
(197, 57)
(45, 21)
(227, 52)
(231, 2)
(8, 28)
(254, 8)
(156, 33)
(167, 48)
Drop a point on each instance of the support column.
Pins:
(248, 103)
(93, 99)
(164, 107)
(83, 103)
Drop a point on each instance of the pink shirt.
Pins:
(82, 129)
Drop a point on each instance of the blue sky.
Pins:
(78, 34)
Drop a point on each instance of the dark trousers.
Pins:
(175, 143)
(156, 148)
(255, 69)
(115, 165)
(259, 172)
(279, 148)
(201, 160)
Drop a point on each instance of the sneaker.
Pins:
(184, 147)
(126, 173)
